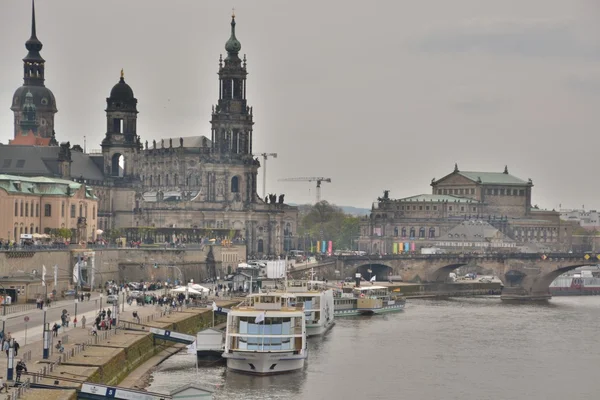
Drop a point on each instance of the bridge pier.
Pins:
(522, 294)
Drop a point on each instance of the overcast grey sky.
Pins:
(375, 95)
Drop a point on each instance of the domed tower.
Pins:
(232, 118)
(33, 83)
(121, 140)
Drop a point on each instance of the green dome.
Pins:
(233, 45)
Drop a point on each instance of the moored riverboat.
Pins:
(318, 304)
(366, 300)
(266, 334)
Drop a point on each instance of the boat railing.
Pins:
(235, 330)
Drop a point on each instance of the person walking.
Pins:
(83, 322)
(20, 368)
(16, 346)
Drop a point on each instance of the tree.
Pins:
(324, 221)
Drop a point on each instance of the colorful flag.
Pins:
(55, 275)
(43, 275)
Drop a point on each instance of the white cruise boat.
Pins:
(366, 300)
(266, 334)
(318, 305)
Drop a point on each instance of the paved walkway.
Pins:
(32, 353)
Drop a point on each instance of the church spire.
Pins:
(33, 69)
(33, 44)
(233, 46)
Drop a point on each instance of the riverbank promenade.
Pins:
(75, 339)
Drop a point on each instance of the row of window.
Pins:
(152, 180)
(25, 230)
(20, 207)
(456, 192)
(429, 208)
(412, 231)
(489, 191)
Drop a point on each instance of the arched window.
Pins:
(158, 180)
(118, 165)
(150, 180)
(422, 233)
(16, 209)
(403, 232)
(167, 180)
(412, 233)
(15, 233)
(235, 184)
(176, 180)
(80, 211)
(62, 209)
(21, 208)
(396, 231)
(37, 209)
(260, 246)
(431, 232)
(27, 209)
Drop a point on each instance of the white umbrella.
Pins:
(183, 289)
(99, 231)
(199, 288)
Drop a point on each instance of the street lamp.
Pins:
(3, 310)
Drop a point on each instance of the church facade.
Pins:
(179, 188)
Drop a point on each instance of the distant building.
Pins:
(588, 219)
(39, 204)
(497, 198)
(180, 188)
(478, 236)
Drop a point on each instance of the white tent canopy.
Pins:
(184, 289)
(199, 288)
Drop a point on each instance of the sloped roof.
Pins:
(476, 231)
(438, 198)
(43, 161)
(41, 185)
(493, 178)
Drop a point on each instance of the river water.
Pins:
(464, 348)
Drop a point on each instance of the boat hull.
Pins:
(257, 363)
(209, 356)
(368, 311)
(319, 329)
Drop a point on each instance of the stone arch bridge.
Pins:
(525, 276)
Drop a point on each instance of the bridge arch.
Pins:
(379, 270)
(442, 274)
(544, 282)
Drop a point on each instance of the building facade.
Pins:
(179, 188)
(38, 205)
(497, 198)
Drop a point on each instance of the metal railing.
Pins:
(20, 389)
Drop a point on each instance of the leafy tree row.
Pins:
(324, 221)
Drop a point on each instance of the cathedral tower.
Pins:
(33, 82)
(232, 118)
(121, 140)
